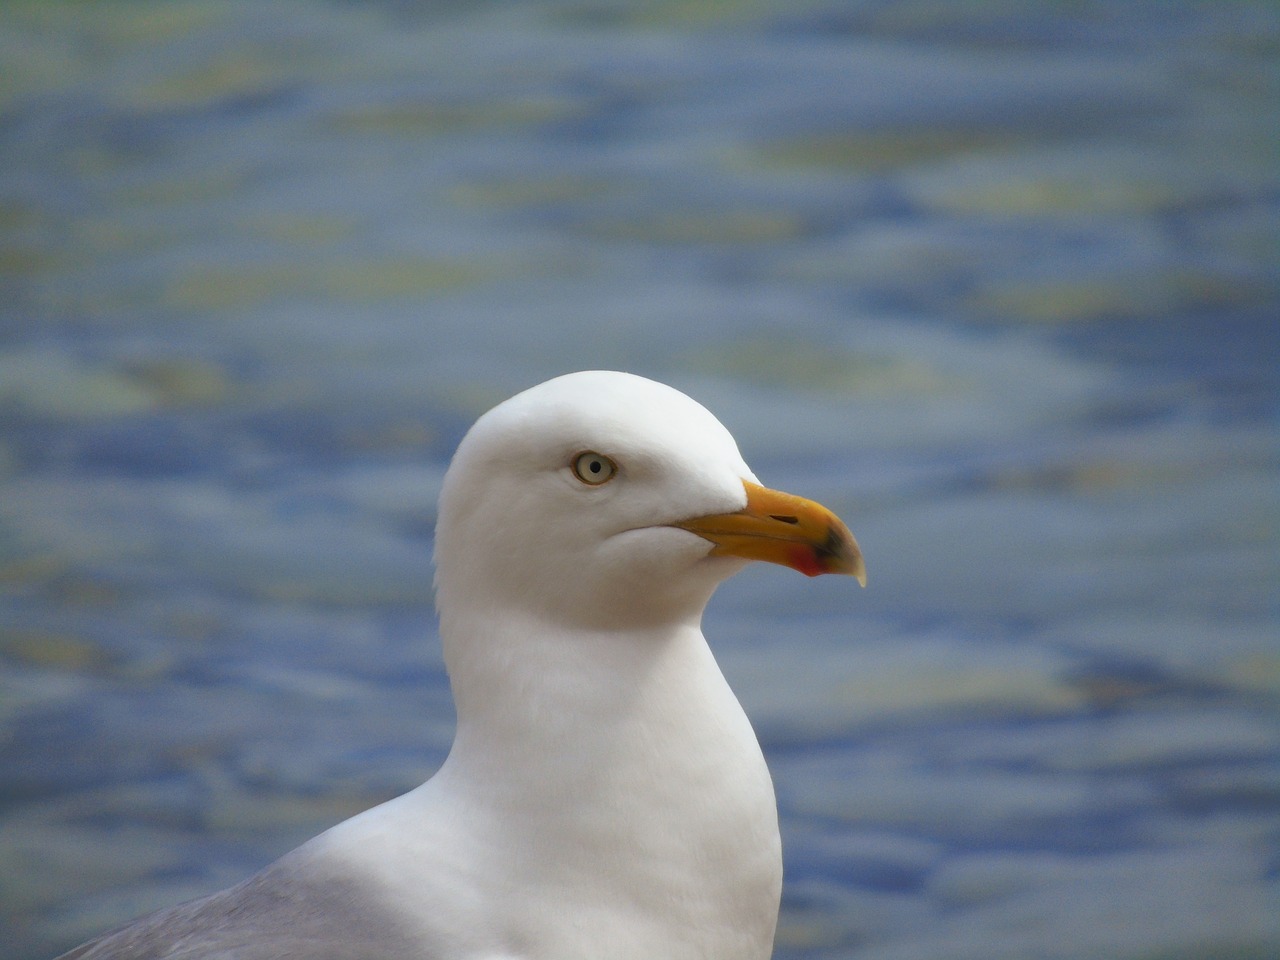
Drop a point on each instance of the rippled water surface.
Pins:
(996, 281)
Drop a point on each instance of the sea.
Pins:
(998, 282)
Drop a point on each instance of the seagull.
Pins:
(605, 795)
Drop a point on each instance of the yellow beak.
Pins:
(785, 529)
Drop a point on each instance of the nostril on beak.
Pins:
(783, 519)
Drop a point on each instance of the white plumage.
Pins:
(605, 795)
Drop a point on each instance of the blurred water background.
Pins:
(998, 281)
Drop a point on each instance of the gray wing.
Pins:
(293, 909)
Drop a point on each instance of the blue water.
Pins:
(997, 282)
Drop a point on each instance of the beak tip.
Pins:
(849, 554)
(857, 569)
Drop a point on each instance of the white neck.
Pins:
(518, 681)
(625, 749)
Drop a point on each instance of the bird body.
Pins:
(605, 795)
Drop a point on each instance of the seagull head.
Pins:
(606, 500)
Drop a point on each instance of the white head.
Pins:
(608, 501)
(525, 522)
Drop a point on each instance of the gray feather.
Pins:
(292, 909)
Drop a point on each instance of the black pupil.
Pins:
(596, 466)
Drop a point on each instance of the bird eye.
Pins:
(594, 468)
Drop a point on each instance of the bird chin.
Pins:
(663, 553)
